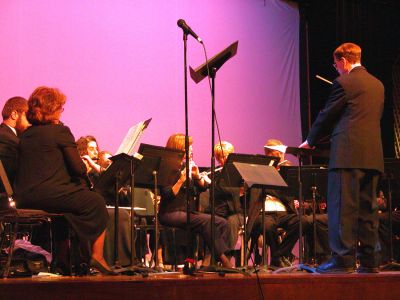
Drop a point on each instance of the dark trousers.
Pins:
(200, 223)
(234, 223)
(321, 236)
(353, 215)
(273, 221)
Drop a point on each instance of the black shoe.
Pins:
(102, 269)
(333, 267)
(362, 269)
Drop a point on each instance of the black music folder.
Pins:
(216, 62)
(255, 170)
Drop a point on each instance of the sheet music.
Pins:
(280, 148)
(132, 138)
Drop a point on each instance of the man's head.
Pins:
(271, 152)
(345, 56)
(87, 145)
(222, 150)
(14, 113)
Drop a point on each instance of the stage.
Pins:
(298, 285)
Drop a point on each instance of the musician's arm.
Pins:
(92, 164)
(177, 186)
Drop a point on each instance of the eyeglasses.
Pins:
(335, 66)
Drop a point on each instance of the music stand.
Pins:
(392, 167)
(116, 175)
(246, 170)
(209, 69)
(300, 153)
(164, 173)
(314, 180)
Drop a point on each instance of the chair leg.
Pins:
(14, 230)
(175, 251)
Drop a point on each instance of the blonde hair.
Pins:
(272, 142)
(223, 149)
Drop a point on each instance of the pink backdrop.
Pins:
(121, 61)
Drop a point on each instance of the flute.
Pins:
(216, 170)
(282, 162)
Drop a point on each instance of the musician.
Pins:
(384, 229)
(352, 113)
(173, 205)
(321, 239)
(276, 153)
(227, 200)
(88, 149)
(49, 164)
(89, 152)
(14, 123)
(280, 213)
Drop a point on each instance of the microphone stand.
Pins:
(314, 207)
(213, 267)
(116, 222)
(189, 266)
(212, 187)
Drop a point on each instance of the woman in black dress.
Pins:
(51, 172)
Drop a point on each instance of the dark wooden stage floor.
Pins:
(296, 286)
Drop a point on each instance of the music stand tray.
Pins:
(215, 62)
(232, 176)
(167, 162)
(311, 175)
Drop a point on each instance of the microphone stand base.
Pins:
(295, 268)
(222, 270)
(391, 266)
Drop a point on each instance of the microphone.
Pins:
(182, 24)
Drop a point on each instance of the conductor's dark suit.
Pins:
(352, 113)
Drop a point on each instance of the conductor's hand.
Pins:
(305, 145)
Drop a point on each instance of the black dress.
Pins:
(50, 175)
